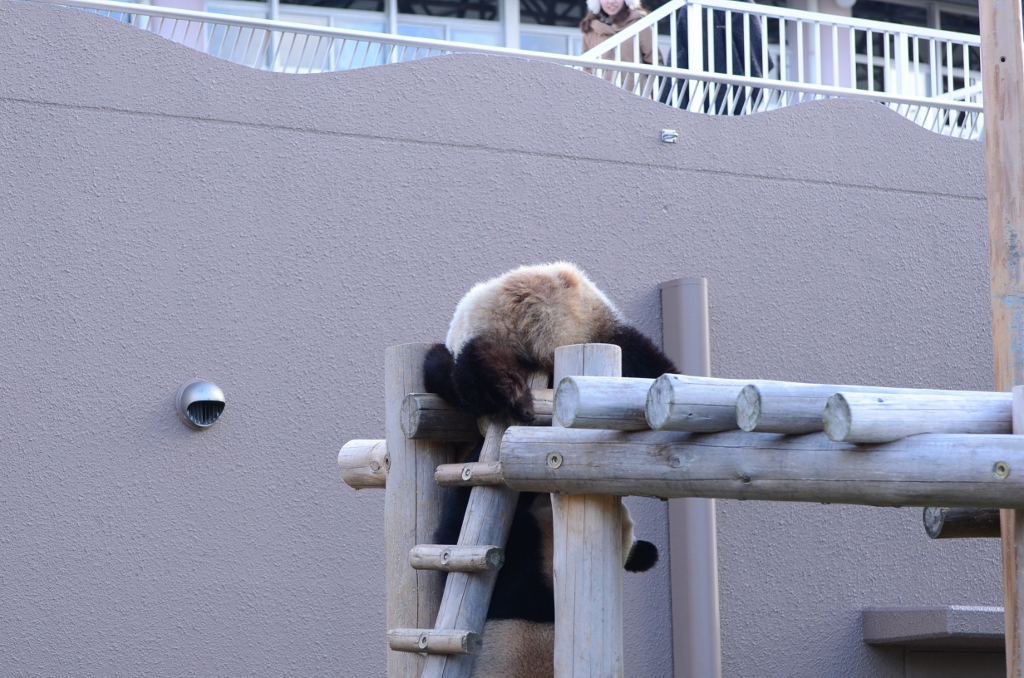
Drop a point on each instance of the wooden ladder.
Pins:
(472, 567)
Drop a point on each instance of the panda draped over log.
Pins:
(503, 331)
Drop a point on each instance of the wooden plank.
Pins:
(364, 463)
(434, 642)
(427, 416)
(795, 408)
(412, 507)
(469, 475)
(678, 402)
(587, 551)
(885, 417)
(925, 470)
(602, 403)
(455, 558)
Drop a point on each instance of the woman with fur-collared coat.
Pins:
(606, 18)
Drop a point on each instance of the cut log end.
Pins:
(961, 523)
(427, 416)
(837, 418)
(748, 408)
(567, 403)
(364, 464)
(659, 402)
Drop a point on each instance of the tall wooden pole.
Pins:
(587, 551)
(412, 508)
(1003, 86)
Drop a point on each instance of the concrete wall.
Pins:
(166, 215)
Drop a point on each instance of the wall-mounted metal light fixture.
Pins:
(200, 403)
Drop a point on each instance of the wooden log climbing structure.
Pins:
(610, 437)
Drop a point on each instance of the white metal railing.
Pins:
(290, 47)
(532, 37)
(787, 56)
(945, 99)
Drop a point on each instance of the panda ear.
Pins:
(642, 557)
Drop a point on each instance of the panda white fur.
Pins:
(503, 331)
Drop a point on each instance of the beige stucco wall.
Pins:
(166, 215)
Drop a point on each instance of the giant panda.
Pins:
(508, 328)
(503, 331)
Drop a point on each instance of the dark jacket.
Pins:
(719, 61)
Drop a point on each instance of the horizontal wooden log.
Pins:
(961, 523)
(612, 403)
(794, 408)
(455, 558)
(432, 641)
(364, 463)
(678, 402)
(469, 475)
(427, 416)
(983, 471)
(885, 417)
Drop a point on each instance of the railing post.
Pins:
(587, 552)
(902, 63)
(694, 52)
(391, 16)
(509, 15)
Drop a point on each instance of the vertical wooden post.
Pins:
(1012, 533)
(412, 508)
(588, 552)
(1003, 87)
(1002, 66)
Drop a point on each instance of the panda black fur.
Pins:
(503, 331)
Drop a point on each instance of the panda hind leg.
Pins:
(490, 379)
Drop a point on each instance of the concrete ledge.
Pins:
(944, 627)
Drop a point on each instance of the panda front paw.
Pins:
(522, 410)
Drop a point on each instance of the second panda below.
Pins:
(503, 331)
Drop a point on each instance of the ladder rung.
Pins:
(469, 475)
(435, 641)
(456, 558)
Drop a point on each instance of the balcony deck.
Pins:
(780, 56)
